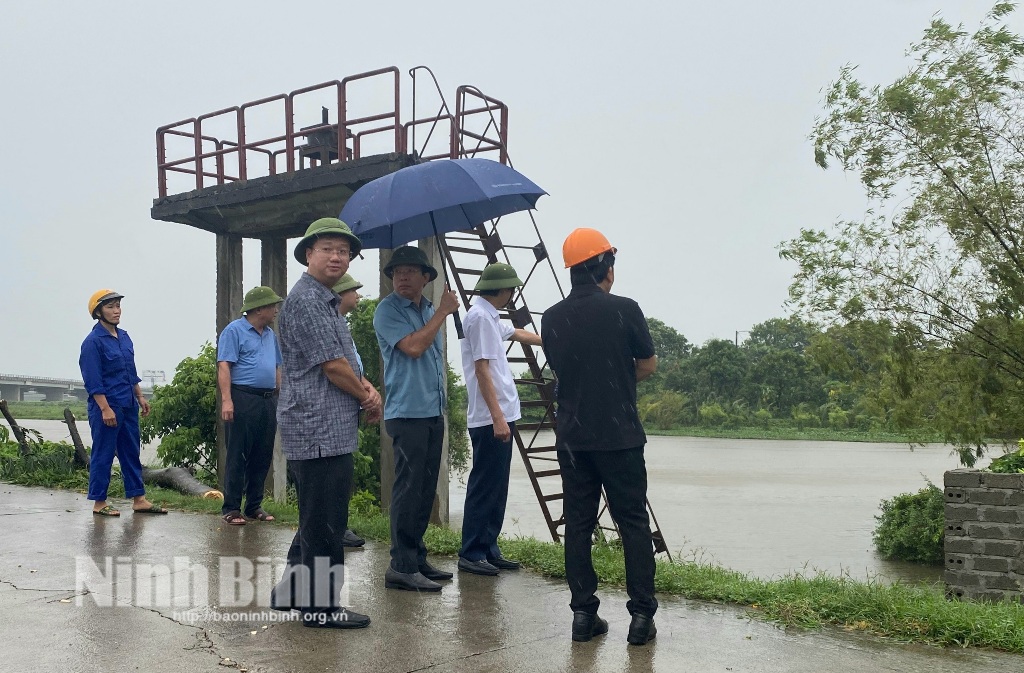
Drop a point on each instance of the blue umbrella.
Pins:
(434, 198)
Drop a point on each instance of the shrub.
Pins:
(1010, 463)
(664, 409)
(763, 418)
(838, 419)
(184, 416)
(712, 415)
(912, 526)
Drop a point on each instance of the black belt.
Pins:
(262, 392)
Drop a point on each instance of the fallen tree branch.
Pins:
(180, 480)
(19, 434)
(81, 456)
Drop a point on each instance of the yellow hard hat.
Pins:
(100, 297)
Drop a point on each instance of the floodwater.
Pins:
(764, 507)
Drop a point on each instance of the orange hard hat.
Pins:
(100, 297)
(583, 244)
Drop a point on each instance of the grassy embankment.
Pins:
(906, 613)
(55, 411)
(44, 411)
(796, 434)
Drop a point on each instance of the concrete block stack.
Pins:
(984, 545)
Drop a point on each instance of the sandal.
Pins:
(106, 510)
(260, 515)
(152, 509)
(234, 518)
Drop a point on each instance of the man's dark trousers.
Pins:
(486, 494)
(624, 476)
(322, 486)
(250, 448)
(417, 444)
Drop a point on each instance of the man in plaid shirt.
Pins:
(322, 392)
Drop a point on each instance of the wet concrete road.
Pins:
(516, 622)
(767, 507)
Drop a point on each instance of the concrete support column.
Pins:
(274, 274)
(387, 448)
(229, 301)
(53, 394)
(433, 292)
(9, 392)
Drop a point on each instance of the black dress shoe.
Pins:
(477, 567)
(339, 619)
(641, 630)
(432, 573)
(409, 581)
(350, 539)
(585, 626)
(502, 563)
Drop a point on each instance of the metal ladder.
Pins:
(467, 253)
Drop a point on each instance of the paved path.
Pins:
(517, 622)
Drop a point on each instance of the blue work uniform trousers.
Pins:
(121, 440)
(486, 494)
(623, 474)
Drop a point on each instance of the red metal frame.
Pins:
(241, 145)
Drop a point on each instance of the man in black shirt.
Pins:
(599, 346)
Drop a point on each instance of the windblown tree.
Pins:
(940, 153)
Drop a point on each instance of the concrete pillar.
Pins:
(10, 392)
(433, 292)
(229, 301)
(52, 394)
(274, 274)
(387, 448)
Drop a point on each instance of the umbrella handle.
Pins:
(458, 325)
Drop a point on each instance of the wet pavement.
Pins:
(765, 507)
(54, 585)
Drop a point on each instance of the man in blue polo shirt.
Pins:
(249, 377)
(408, 331)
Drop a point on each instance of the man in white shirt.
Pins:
(493, 411)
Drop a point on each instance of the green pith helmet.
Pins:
(498, 276)
(326, 226)
(346, 283)
(408, 254)
(258, 297)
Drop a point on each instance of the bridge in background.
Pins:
(14, 387)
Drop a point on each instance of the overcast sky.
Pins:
(677, 128)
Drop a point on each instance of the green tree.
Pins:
(672, 348)
(184, 416)
(939, 153)
(716, 371)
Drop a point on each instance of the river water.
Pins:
(764, 507)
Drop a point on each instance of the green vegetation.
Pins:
(184, 416)
(46, 411)
(911, 613)
(911, 527)
(933, 277)
(1011, 463)
(184, 412)
(792, 433)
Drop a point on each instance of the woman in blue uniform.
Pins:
(115, 398)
